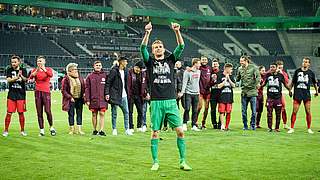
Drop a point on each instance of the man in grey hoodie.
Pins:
(190, 91)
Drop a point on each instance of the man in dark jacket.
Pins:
(214, 94)
(94, 96)
(116, 92)
(137, 84)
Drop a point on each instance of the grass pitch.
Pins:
(213, 154)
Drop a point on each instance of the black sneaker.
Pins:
(101, 133)
(215, 126)
(53, 132)
(270, 130)
(95, 132)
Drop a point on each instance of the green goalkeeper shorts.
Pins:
(164, 109)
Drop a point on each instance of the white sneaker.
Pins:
(285, 126)
(128, 132)
(23, 133)
(195, 128)
(291, 131)
(222, 127)
(155, 167)
(144, 128)
(53, 131)
(184, 127)
(5, 133)
(132, 130)
(310, 131)
(41, 132)
(139, 130)
(114, 132)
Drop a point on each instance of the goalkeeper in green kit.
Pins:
(163, 95)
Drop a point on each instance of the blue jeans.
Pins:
(77, 107)
(244, 105)
(125, 111)
(144, 113)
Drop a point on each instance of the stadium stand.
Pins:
(213, 39)
(58, 57)
(193, 6)
(265, 61)
(60, 45)
(27, 43)
(256, 8)
(268, 39)
(148, 4)
(169, 40)
(301, 8)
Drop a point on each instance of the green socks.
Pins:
(182, 149)
(154, 150)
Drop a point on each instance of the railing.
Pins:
(60, 22)
(60, 5)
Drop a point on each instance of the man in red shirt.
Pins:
(42, 76)
(94, 96)
(205, 79)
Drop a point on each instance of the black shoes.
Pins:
(101, 133)
(95, 132)
(53, 132)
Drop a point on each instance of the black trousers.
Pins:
(213, 105)
(77, 107)
(138, 102)
(190, 101)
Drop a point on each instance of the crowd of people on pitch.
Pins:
(120, 88)
(197, 87)
(204, 85)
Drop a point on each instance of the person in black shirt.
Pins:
(214, 96)
(137, 85)
(225, 84)
(302, 79)
(274, 80)
(16, 99)
(163, 94)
